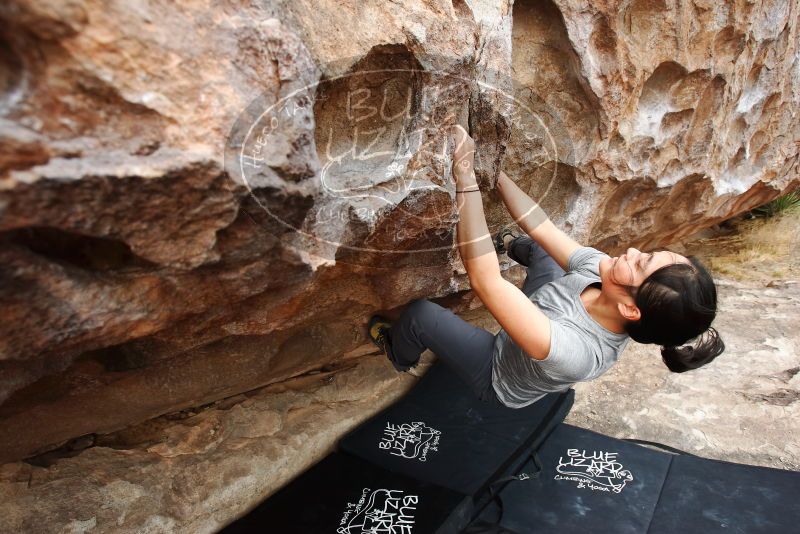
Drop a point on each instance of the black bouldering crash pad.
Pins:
(592, 483)
(346, 495)
(439, 432)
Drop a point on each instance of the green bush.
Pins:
(789, 202)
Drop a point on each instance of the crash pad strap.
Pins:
(658, 445)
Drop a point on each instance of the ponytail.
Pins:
(708, 346)
(678, 303)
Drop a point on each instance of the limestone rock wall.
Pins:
(146, 265)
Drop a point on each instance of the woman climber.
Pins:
(574, 315)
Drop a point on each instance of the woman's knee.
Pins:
(420, 308)
(520, 248)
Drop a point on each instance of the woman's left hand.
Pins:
(463, 155)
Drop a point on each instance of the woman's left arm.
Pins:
(520, 318)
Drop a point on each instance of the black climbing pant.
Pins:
(465, 348)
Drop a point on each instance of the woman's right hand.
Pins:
(502, 177)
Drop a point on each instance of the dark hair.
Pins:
(678, 303)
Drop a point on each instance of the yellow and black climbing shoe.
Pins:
(379, 329)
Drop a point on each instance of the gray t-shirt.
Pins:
(580, 348)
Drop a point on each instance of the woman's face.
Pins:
(633, 267)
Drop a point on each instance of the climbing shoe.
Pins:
(379, 329)
(499, 247)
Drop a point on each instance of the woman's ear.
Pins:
(629, 311)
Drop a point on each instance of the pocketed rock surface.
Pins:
(148, 269)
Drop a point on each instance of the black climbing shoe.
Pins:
(379, 329)
(499, 247)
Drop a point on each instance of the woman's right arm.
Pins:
(534, 222)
